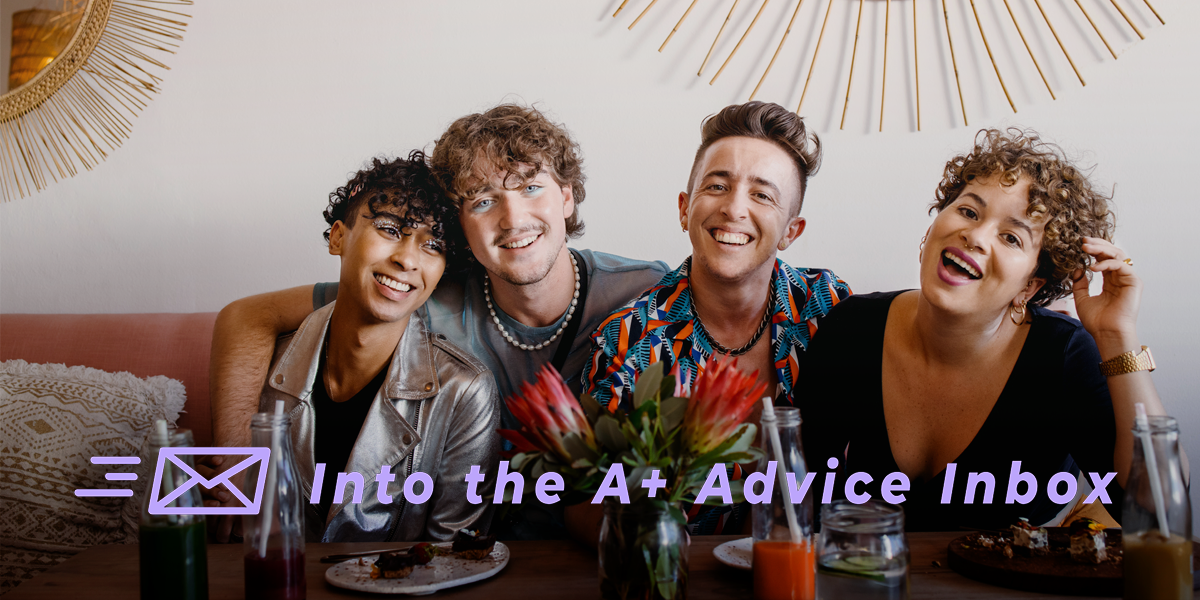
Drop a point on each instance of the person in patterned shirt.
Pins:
(732, 296)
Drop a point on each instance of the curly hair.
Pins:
(1060, 196)
(407, 184)
(769, 122)
(502, 140)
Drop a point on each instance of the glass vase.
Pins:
(643, 551)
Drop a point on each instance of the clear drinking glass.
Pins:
(173, 561)
(862, 553)
(274, 538)
(1157, 567)
(783, 563)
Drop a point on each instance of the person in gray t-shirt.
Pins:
(516, 180)
(458, 309)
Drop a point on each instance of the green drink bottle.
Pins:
(174, 564)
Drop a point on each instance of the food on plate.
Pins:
(1088, 541)
(394, 565)
(1031, 539)
(472, 544)
(424, 552)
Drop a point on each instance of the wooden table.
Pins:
(542, 570)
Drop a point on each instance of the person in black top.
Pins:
(970, 369)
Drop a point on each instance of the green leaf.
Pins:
(609, 434)
(576, 447)
(634, 479)
(539, 468)
(673, 409)
(665, 571)
(744, 437)
(648, 384)
(515, 463)
(677, 514)
(590, 407)
(742, 457)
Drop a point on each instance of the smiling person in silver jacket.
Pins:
(368, 386)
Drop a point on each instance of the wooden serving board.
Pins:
(1055, 573)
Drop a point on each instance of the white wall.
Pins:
(270, 105)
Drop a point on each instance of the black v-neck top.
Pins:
(1054, 414)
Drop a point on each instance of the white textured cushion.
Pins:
(53, 420)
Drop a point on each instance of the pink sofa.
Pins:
(172, 344)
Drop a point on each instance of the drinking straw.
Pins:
(793, 524)
(1160, 506)
(269, 489)
(164, 440)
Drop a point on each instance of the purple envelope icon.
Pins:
(161, 506)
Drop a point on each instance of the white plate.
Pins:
(441, 572)
(736, 553)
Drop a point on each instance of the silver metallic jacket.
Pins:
(436, 412)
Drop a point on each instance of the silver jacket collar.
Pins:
(436, 412)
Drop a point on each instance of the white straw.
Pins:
(269, 490)
(780, 471)
(1160, 506)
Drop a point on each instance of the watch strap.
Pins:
(1129, 362)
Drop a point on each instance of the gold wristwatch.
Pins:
(1128, 363)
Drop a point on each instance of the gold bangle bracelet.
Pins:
(1128, 363)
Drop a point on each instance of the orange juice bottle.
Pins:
(784, 558)
(1158, 565)
(784, 571)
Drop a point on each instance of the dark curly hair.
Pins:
(769, 122)
(1060, 196)
(407, 184)
(478, 146)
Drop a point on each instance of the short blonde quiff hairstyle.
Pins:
(1060, 196)
(478, 146)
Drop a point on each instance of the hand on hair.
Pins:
(1111, 315)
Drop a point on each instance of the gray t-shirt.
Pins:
(457, 309)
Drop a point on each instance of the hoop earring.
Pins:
(1017, 316)
(921, 248)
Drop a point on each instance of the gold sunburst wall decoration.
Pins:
(80, 107)
(1031, 33)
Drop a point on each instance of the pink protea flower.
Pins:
(548, 413)
(722, 397)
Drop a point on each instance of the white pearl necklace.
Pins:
(570, 312)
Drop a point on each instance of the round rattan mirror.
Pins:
(83, 69)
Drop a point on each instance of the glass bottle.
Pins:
(643, 551)
(173, 563)
(1157, 566)
(782, 561)
(274, 537)
(862, 553)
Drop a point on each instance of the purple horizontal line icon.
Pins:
(121, 476)
(116, 460)
(103, 493)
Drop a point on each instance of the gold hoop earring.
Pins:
(1017, 316)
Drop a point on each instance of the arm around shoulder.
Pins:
(243, 343)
